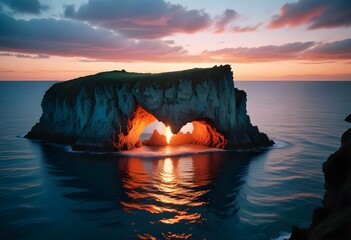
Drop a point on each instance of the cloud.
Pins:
(149, 19)
(142, 19)
(315, 13)
(224, 20)
(298, 51)
(268, 53)
(77, 39)
(24, 6)
(70, 38)
(344, 76)
(20, 55)
(246, 29)
(333, 50)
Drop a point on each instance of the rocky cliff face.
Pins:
(333, 219)
(108, 111)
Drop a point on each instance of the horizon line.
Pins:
(235, 80)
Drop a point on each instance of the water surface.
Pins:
(49, 192)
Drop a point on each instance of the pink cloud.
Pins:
(69, 38)
(268, 53)
(340, 50)
(246, 28)
(224, 20)
(298, 51)
(314, 13)
(76, 39)
(142, 19)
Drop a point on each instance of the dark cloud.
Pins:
(315, 13)
(76, 39)
(224, 20)
(140, 19)
(24, 6)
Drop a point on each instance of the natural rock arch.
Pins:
(204, 133)
(108, 111)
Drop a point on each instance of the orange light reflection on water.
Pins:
(167, 236)
(164, 186)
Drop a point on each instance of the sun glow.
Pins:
(168, 133)
(203, 133)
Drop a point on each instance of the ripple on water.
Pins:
(279, 144)
(169, 151)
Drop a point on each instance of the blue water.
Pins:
(50, 192)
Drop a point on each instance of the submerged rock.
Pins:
(108, 111)
(333, 219)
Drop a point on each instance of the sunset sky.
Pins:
(262, 40)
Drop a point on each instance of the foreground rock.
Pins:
(108, 111)
(333, 220)
(348, 118)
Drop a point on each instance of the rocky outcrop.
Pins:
(108, 111)
(156, 140)
(180, 138)
(348, 118)
(333, 219)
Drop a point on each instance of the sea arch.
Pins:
(204, 133)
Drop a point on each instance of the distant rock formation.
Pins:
(108, 111)
(180, 138)
(333, 219)
(156, 140)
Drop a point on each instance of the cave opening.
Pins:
(200, 132)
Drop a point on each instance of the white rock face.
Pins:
(92, 111)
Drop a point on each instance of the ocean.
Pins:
(48, 191)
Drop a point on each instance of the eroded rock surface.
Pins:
(108, 111)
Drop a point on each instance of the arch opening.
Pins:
(203, 133)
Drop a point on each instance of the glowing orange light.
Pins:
(168, 133)
(206, 135)
(136, 124)
(203, 134)
(173, 181)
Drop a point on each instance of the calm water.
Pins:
(49, 192)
